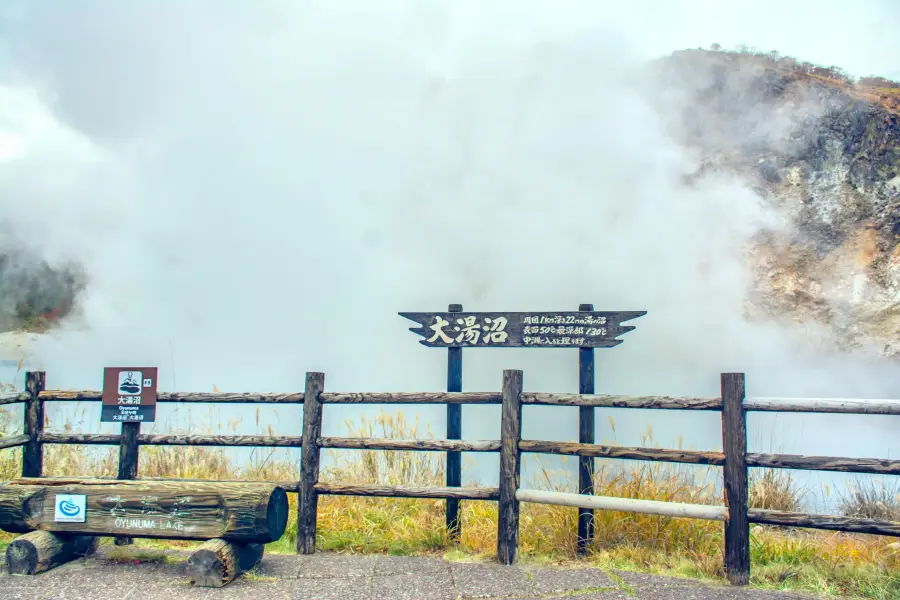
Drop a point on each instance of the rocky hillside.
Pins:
(822, 149)
(33, 294)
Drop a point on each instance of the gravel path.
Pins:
(342, 577)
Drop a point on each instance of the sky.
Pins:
(257, 189)
(859, 37)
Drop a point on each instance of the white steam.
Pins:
(256, 193)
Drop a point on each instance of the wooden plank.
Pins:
(287, 486)
(13, 398)
(824, 405)
(40, 551)
(201, 397)
(307, 505)
(218, 562)
(273, 441)
(453, 474)
(825, 463)
(623, 452)
(90, 439)
(650, 507)
(72, 396)
(606, 401)
(129, 452)
(33, 451)
(13, 441)
(325, 398)
(734, 442)
(385, 444)
(241, 512)
(510, 468)
(403, 491)
(411, 398)
(525, 329)
(828, 522)
(586, 426)
(175, 440)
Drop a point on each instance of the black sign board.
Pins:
(526, 329)
(129, 395)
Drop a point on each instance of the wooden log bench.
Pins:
(61, 518)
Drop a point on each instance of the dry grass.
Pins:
(841, 564)
(872, 499)
(775, 490)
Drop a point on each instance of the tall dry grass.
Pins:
(872, 499)
(842, 564)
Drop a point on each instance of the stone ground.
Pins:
(343, 577)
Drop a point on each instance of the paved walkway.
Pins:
(343, 577)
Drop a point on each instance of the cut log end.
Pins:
(277, 513)
(40, 551)
(218, 562)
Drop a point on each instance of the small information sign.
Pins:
(129, 395)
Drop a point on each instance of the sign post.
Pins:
(585, 436)
(584, 329)
(129, 397)
(454, 432)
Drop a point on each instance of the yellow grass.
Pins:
(841, 564)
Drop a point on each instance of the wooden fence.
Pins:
(735, 459)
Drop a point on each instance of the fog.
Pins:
(257, 192)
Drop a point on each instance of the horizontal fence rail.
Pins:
(623, 452)
(649, 507)
(14, 441)
(825, 463)
(598, 401)
(411, 398)
(204, 397)
(400, 491)
(388, 444)
(115, 439)
(735, 459)
(13, 398)
(828, 522)
(824, 405)
(260, 441)
(88, 439)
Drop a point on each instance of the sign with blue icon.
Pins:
(70, 508)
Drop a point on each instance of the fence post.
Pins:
(585, 436)
(454, 432)
(308, 499)
(128, 463)
(510, 466)
(734, 442)
(33, 451)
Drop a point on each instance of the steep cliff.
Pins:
(822, 150)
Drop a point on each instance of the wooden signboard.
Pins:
(129, 395)
(575, 329)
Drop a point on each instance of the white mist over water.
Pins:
(256, 193)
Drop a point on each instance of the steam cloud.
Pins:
(257, 193)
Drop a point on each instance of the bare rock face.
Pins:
(821, 150)
(35, 295)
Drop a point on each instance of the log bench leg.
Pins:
(39, 551)
(218, 562)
